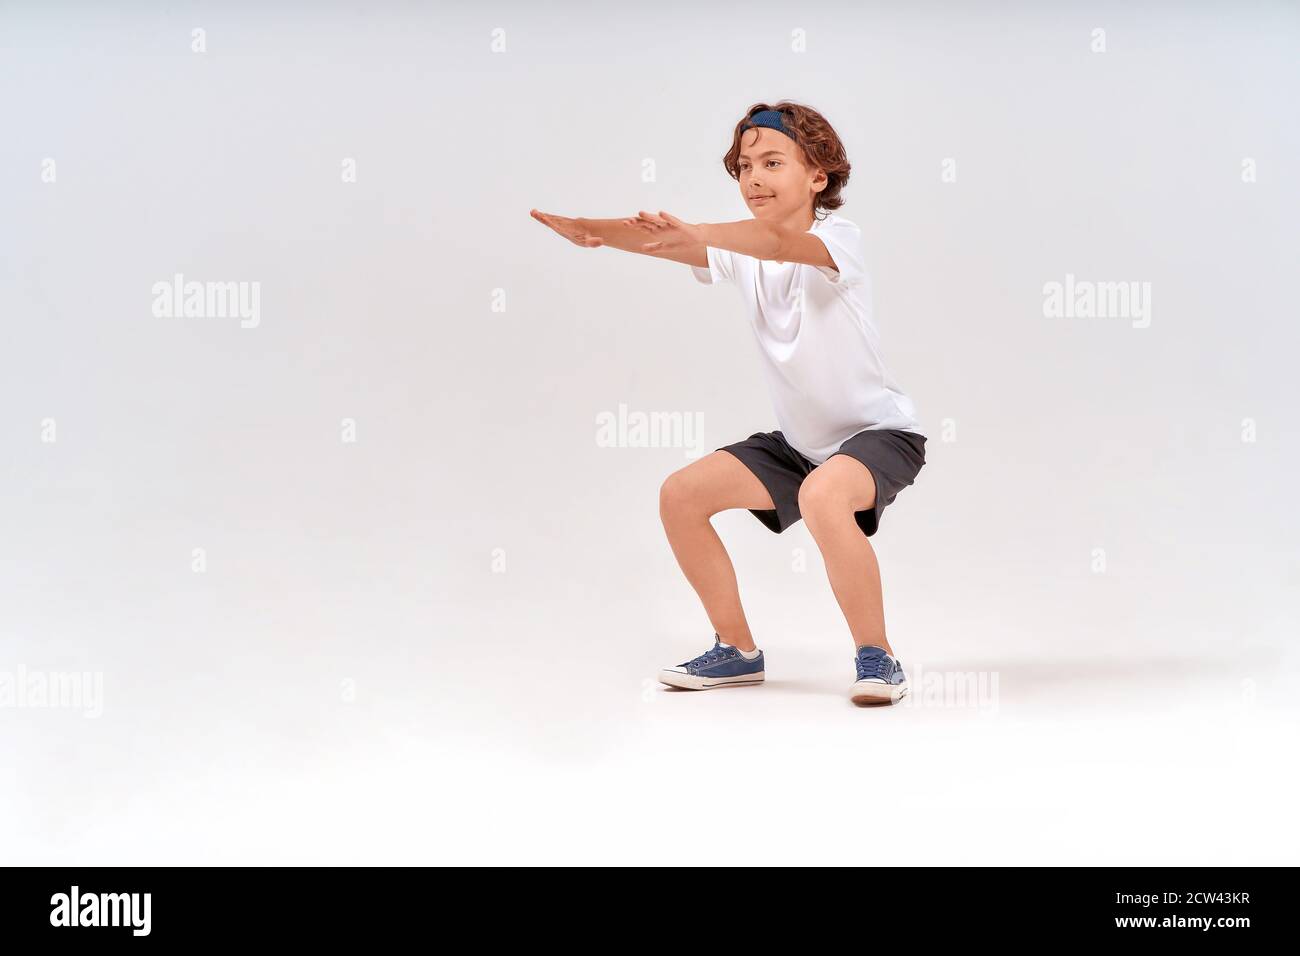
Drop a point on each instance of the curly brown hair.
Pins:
(816, 137)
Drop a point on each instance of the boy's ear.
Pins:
(820, 181)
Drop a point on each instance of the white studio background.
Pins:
(431, 635)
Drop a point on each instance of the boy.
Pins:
(848, 441)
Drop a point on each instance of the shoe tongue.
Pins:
(871, 651)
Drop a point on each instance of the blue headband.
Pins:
(770, 119)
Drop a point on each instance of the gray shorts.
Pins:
(893, 457)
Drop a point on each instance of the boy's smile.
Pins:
(775, 183)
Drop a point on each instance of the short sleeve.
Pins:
(843, 240)
(721, 267)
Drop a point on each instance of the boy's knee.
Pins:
(675, 495)
(684, 494)
(819, 500)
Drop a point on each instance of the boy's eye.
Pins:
(746, 165)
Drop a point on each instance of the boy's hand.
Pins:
(666, 232)
(571, 229)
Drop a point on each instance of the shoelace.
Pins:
(875, 666)
(717, 653)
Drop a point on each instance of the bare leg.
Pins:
(688, 499)
(828, 498)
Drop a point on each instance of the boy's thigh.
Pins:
(717, 482)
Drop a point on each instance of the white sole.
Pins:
(694, 682)
(867, 692)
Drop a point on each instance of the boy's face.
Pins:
(773, 178)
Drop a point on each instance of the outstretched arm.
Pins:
(628, 234)
(749, 237)
(666, 237)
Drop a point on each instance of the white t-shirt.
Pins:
(822, 363)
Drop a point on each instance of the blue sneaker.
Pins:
(721, 666)
(880, 678)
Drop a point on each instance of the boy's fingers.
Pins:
(550, 219)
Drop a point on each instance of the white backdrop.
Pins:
(353, 580)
